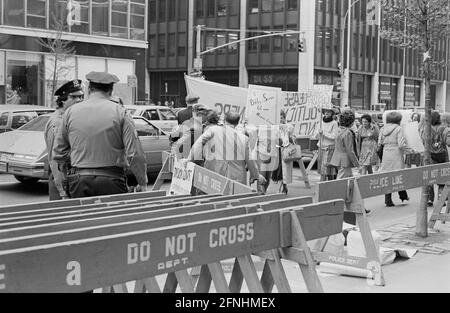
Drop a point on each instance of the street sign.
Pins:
(198, 63)
(373, 14)
(132, 81)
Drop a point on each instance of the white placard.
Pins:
(412, 136)
(262, 105)
(182, 178)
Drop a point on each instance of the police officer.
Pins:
(67, 95)
(186, 114)
(101, 141)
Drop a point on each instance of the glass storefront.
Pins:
(360, 86)
(27, 78)
(412, 93)
(110, 18)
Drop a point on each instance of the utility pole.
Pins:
(307, 22)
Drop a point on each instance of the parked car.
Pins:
(23, 152)
(160, 116)
(13, 116)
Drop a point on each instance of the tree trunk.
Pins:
(55, 68)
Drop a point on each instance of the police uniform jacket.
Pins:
(97, 133)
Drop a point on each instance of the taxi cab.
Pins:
(13, 116)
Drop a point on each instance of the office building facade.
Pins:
(387, 75)
(103, 35)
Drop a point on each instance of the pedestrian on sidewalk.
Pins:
(327, 137)
(367, 139)
(439, 141)
(345, 154)
(394, 149)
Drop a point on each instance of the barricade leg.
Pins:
(171, 283)
(148, 284)
(437, 215)
(250, 274)
(304, 173)
(237, 278)
(218, 277)
(204, 280)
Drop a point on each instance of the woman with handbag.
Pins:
(289, 152)
(368, 141)
(394, 148)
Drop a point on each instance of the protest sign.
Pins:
(262, 105)
(182, 178)
(220, 97)
(303, 109)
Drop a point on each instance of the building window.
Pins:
(152, 11)
(222, 7)
(100, 24)
(199, 8)
(24, 84)
(137, 19)
(119, 19)
(181, 44)
(252, 45)
(172, 10)
(253, 6)
(233, 7)
(234, 47)
(292, 4)
(360, 91)
(14, 11)
(162, 11)
(211, 8)
(36, 14)
(152, 45)
(221, 40)
(278, 5)
(162, 45)
(210, 40)
(264, 44)
(182, 8)
(412, 93)
(291, 42)
(266, 6)
(81, 25)
(171, 45)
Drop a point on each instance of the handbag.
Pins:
(291, 153)
(380, 151)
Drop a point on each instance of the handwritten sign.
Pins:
(262, 105)
(303, 109)
(182, 179)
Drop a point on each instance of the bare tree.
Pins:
(61, 50)
(420, 25)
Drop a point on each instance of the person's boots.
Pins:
(388, 200)
(403, 195)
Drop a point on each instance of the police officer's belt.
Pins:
(116, 172)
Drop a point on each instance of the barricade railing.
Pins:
(354, 190)
(86, 259)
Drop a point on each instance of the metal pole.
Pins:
(346, 93)
(199, 44)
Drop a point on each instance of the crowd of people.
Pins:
(345, 146)
(93, 142)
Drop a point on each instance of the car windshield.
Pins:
(4, 118)
(37, 124)
(167, 115)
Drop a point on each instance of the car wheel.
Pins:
(26, 180)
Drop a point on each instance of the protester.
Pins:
(263, 141)
(189, 132)
(445, 120)
(186, 114)
(68, 94)
(345, 153)
(394, 147)
(230, 156)
(101, 141)
(438, 148)
(415, 117)
(327, 137)
(367, 139)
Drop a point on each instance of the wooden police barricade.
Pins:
(130, 213)
(354, 190)
(113, 259)
(265, 202)
(166, 171)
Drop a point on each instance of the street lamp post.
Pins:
(345, 71)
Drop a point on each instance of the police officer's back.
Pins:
(102, 142)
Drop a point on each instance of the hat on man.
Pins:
(192, 99)
(198, 107)
(102, 78)
(72, 87)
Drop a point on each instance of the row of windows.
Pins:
(166, 10)
(266, 6)
(115, 18)
(167, 45)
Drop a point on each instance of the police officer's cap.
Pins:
(71, 88)
(102, 78)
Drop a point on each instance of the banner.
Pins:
(182, 178)
(303, 109)
(222, 98)
(262, 105)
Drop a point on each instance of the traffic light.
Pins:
(302, 45)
